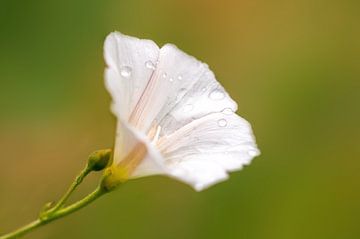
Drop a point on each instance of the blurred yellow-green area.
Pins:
(292, 66)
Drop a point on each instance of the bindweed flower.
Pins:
(173, 116)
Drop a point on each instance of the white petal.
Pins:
(203, 151)
(204, 97)
(128, 70)
(126, 140)
(174, 76)
(201, 96)
(180, 90)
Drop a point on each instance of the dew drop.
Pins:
(252, 153)
(222, 122)
(227, 111)
(150, 65)
(164, 75)
(171, 79)
(217, 95)
(125, 71)
(203, 89)
(188, 107)
(179, 77)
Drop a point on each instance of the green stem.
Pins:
(71, 189)
(23, 230)
(56, 215)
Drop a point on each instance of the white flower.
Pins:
(174, 118)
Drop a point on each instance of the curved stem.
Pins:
(22, 230)
(71, 189)
(98, 192)
(56, 215)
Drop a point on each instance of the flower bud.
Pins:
(100, 159)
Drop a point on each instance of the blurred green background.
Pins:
(292, 66)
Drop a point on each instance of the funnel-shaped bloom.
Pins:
(174, 118)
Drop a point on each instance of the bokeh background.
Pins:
(293, 67)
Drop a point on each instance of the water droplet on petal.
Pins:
(203, 89)
(252, 152)
(222, 122)
(188, 107)
(171, 79)
(125, 71)
(227, 111)
(164, 75)
(150, 65)
(217, 95)
(180, 77)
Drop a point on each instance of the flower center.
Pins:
(128, 165)
(121, 172)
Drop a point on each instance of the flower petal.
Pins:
(203, 151)
(180, 90)
(175, 74)
(131, 62)
(198, 94)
